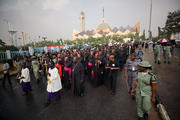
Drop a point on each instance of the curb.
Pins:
(161, 109)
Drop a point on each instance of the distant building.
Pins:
(103, 29)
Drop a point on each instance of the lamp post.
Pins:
(150, 33)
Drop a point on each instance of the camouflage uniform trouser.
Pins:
(167, 56)
(143, 104)
(158, 57)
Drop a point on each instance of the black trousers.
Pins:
(82, 88)
(8, 77)
(113, 78)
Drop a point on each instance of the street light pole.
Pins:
(150, 33)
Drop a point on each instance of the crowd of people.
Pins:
(100, 64)
(68, 69)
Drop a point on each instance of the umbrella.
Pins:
(164, 40)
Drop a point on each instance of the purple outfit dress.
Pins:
(52, 95)
(26, 86)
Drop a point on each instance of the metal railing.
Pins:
(3, 55)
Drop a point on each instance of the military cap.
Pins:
(145, 64)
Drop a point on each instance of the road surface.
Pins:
(97, 104)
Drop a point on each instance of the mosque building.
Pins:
(103, 29)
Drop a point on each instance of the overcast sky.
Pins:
(57, 18)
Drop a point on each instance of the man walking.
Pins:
(6, 73)
(145, 86)
(157, 53)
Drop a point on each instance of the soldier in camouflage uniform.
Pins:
(167, 50)
(157, 53)
(145, 87)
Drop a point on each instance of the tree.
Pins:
(143, 36)
(155, 39)
(137, 35)
(60, 41)
(69, 42)
(159, 33)
(2, 43)
(172, 23)
(150, 36)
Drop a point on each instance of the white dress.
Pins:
(55, 81)
(25, 74)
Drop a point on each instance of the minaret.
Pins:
(103, 16)
(82, 22)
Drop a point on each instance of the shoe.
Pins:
(169, 62)
(159, 62)
(164, 61)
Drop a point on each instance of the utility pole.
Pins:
(8, 30)
(150, 33)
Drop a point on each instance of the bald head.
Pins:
(111, 58)
(75, 59)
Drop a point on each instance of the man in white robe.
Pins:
(53, 83)
(25, 79)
